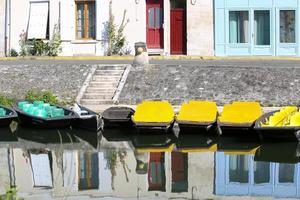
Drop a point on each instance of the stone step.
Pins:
(111, 68)
(106, 78)
(100, 90)
(109, 72)
(97, 96)
(95, 101)
(103, 84)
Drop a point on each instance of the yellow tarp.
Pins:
(286, 116)
(154, 112)
(198, 111)
(213, 148)
(241, 152)
(241, 112)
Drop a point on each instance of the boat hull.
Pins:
(118, 117)
(6, 121)
(199, 128)
(47, 123)
(276, 133)
(91, 123)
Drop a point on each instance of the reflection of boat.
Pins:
(154, 115)
(286, 152)
(238, 144)
(196, 143)
(7, 135)
(153, 143)
(88, 120)
(196, 115)
(92, 138)
(46, 136)
(7, 116)
(117, 134)
(280, 133)
(239, 116)
(117, 117)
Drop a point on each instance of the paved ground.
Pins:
(274, 83)
(64, 81)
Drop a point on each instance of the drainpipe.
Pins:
(5, 28)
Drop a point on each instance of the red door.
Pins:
(178, 31)
(155, 35)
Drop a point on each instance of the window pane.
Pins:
(286, 173)
(80, 20)
(151, 18)
(153, 172)
(261, 172)
(92, 19)
(287, 26)
(238, 26)
(238, 168)
(158, 17)
(262, 27)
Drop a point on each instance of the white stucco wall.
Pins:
(200, 32)
(135, 31)
(2, 28)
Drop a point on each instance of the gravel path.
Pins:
(64, 81)
(271, 85)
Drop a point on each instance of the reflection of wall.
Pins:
(4, 172)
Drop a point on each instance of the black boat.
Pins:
(6, 135)
(118, 134)
(287, 133)
(118, 117)
(9, 117)
(40, 122)
(281, 152)
(88, 119)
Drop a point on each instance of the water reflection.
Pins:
(126, 164)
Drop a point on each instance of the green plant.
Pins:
(11, 194)
(45, 96)
(23, 44)
(38, 47)
(13, 53)
(116, 39)
(5, 101)
(54, 47)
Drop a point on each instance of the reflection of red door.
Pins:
(179, 167)
(178, 31)
(154, 23)
(156, 173)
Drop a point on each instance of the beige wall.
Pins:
(200, 33)
(2, 28)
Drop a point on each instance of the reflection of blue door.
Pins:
(88, 171)
(241, 175)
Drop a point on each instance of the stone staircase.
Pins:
(102, 86)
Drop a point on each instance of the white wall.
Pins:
(200, 32)
(2, 28)
(135, 30)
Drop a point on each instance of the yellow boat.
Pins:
(191, 143)
(239, 115)
(154, 115)
(197, 114)
(280, 125)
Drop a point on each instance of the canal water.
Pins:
(123, 164)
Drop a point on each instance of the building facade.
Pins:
(169, 27)
(253, 27)
(2, 27)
